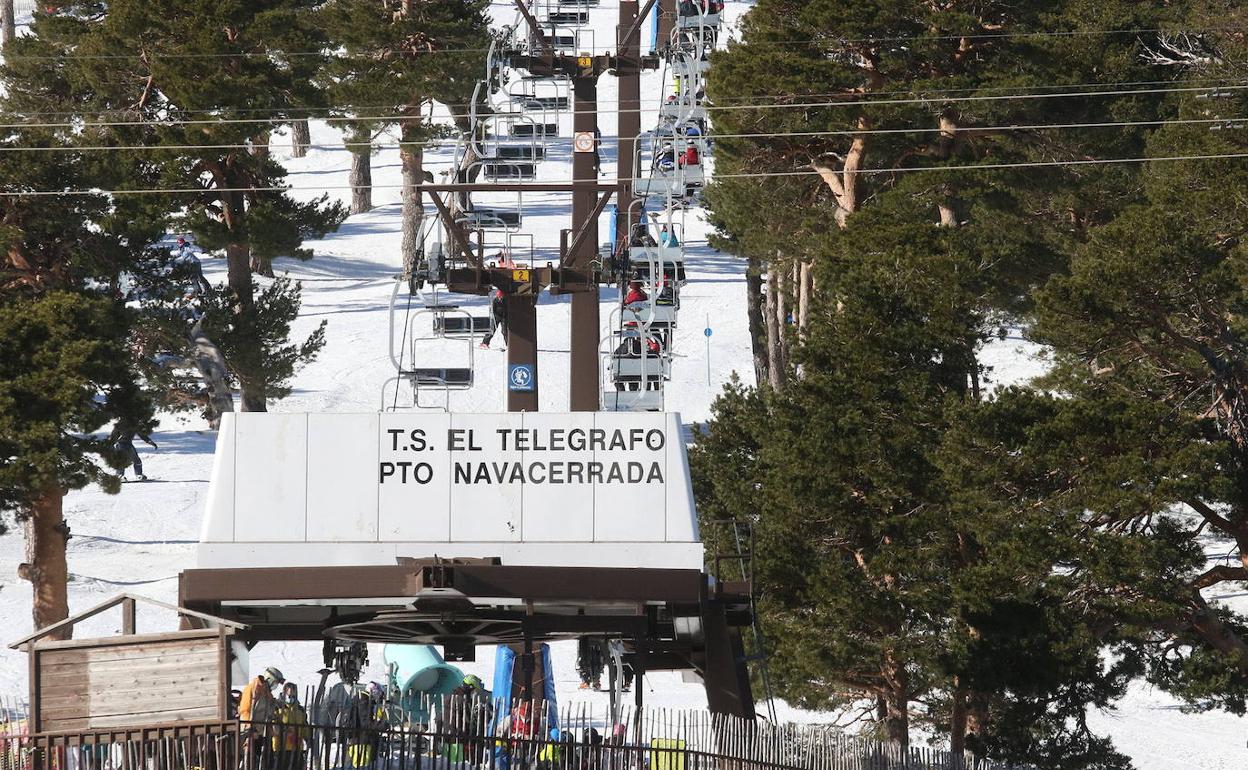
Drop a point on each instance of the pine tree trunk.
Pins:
(784, 308)
(46, 567)
(469, 165)
(775, 355)
(251, 384)
(412, 155)
(361, 178)
(260, 145)
(896, 700)
(754, 312)
(957, 725)
(976, 719)
(300, 138)
(8, 22)
(805, 282)
(897, 718)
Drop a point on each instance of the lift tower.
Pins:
(576, 274)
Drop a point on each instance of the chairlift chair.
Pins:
(448, 322)
(634, 377)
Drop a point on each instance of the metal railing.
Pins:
(472, 734)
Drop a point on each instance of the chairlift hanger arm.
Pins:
(455, 231)
(569, 257)
(636, 27)
(534, 26)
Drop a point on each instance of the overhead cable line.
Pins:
(295, 113)
(847, 102)
(749, 175)
(762, 135)
(278, 55)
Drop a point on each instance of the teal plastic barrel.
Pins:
(421, 673)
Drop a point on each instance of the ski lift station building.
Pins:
(467, 529)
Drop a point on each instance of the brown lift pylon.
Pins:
(576, 273)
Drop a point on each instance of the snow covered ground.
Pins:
(139, 540)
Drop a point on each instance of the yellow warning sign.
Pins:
(520, 276)
(584, 62)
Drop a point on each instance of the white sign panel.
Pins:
(580, 489)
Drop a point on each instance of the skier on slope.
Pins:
(184, 255)
(123, 439)
(589, 662)
(498, 319)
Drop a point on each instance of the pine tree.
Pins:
(213, 112)
(1150, 320)
(408, 55)
(65, 370)
(924, 66)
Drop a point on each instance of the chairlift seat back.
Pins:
(508, 171)
(492, 219)
(440, 377)
(568, 17)
(459, 325)
(632, 400)
(520, 152)
(526, 130)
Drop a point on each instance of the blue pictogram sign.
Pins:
(520, 378)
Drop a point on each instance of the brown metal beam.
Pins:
(584, 386)
(597, 584)
(628, 74)
(453, 228)
(522, 350)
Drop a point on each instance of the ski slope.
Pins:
(139, 540)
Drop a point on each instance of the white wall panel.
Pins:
(342, 484)
(414, 452)
(270, 473)
(486, 510)
(624, 511)
(558, 509)
(218, 523)
(682, 518)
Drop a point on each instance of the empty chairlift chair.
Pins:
(543, 94)
(448, 322)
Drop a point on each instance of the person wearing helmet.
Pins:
(498, 319)
(293, 732)
(690, 156)
(257, 709)
(256, 703)
(665, 161)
